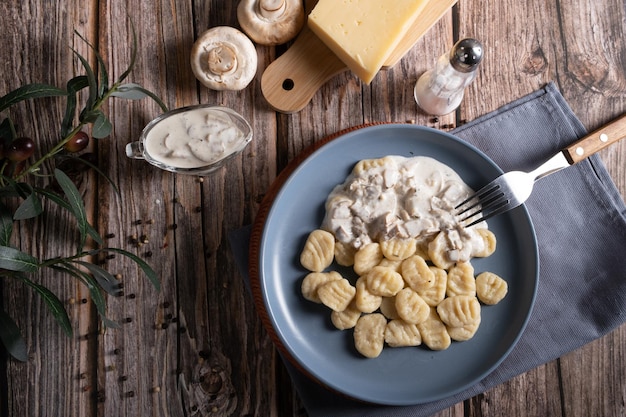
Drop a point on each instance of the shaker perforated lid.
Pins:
(466, 54)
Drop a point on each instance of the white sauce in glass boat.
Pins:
(193, 139)
(401, 197)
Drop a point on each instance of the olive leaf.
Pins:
(31, 207)
(102, 69)
(91, 81)
(21, 188)
(54, 304)
(150, 273)
(11, 337)
(104, 278)
(73, 87)
(133, 54)
(6, 225)
(131, 91)
(7, 131)
(15, 260)
(54, 197)
(101, 127)
(28, 92)
(94, 291)
(89, 116)
(97, 169)
(76, 203)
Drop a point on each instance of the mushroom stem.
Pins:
(272, 9)
(271, 22)
(222, 60)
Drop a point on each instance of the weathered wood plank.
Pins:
(523, 52)
(594, 83)
(534, 393)
(591, 387)
(42, 54)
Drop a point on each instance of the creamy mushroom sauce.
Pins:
(193, 139)
(403, 197)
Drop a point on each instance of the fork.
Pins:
(513, 188)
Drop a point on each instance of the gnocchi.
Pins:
(406, 291)
(417, 274)
(433, 331)
(367, 257)
(463, 333)
(365, 301)
(388, 308)
(491, 288)
(400, 333)
(384, 281)
(404, 302)
(319, 251)
(411, 307)
(336, 295)
(347, 318)
(314, 280)
(344, 253)
(461, 280)
(459, 310)
(368, 164)
(398, 249)
(489, 244)
(395, 265)
(438, 249)
(435, 294)
(369, 335)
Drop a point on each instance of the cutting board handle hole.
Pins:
(288, 84)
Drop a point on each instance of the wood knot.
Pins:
(212, 383)
(591, 71)
(535, 62)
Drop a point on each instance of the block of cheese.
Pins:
(363, 33)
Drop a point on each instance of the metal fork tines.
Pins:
(513, 188)
(500, 195)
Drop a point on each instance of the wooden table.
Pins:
(197, 346)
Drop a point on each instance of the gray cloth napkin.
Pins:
(580, 222)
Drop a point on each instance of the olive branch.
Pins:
(16, 167)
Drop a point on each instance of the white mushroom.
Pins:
(271, 22)
(223, 58)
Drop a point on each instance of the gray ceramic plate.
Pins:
(399, 376)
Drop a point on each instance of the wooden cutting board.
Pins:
(289, 83)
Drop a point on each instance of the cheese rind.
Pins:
(363, 33)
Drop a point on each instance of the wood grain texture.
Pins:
(560, 42)
(197, 347)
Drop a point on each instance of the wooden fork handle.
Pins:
(597, 140)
